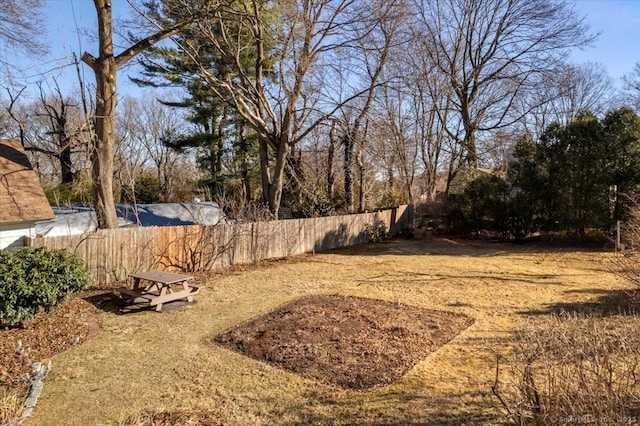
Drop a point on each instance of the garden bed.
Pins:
(352, 342)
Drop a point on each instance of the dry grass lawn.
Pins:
(146, 367)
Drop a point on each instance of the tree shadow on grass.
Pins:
(442, 245)
(409, 406)
(607, 303)
(105, 300)
(110, 302)
(425, 278)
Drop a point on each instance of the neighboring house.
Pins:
(22, 200)
(457, 184)
(465, 175)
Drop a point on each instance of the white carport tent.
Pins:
(75, 220)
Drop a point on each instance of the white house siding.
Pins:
(12, 234)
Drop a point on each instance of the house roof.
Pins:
(21, 196)
(464, 176)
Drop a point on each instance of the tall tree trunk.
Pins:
(243, 146)
(331, 178)
(430, 188)
(246, 183)
(469, 144)
(361, 183)
(65, 164)
(265, 176)
(348, 142)
(105, 67)
(102, 156)
(469, 141)
(452, 171)
(277, 179)
(361, 168)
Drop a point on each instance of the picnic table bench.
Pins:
(159, 287)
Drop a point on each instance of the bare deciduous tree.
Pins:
(491, 50)
(65, 132)
(370, 52)
(632, 87)
(53, 131)
(143, 126)
(567, 91)
(275, 93)
(398, 127)
(105, 67)
(20, 28)
(331, 151)
(432, 107)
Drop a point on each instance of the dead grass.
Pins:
(10, 404)
(192, 416)
(571, 366)
(147, 365)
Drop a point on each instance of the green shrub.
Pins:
(37, 279)
(146, 190)
(376, 231)
(393, 197)
(481, 206)
(78, 192)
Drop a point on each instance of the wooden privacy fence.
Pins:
(112, 254)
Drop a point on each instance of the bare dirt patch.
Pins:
(353, 342)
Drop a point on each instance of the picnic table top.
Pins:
(161, 277)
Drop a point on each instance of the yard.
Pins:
(146, 367)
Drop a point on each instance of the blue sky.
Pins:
(617, 21)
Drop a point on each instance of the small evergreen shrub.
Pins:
(37, 279)
(376, 231)
(481, 206)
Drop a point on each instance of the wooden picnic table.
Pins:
(159, 287)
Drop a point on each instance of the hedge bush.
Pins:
(376, 231)
(38, 279)
(481, 206)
